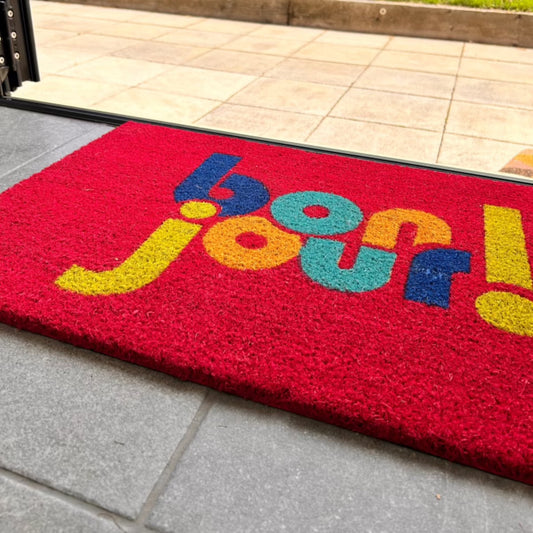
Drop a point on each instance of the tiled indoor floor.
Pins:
(458, 104)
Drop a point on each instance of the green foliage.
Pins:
(510, 5)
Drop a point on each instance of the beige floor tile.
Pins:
(264, 45)
(68, 91)
(426, 46)
(275, 31)
(173, 54)
(407, 81)
(225, 26)
(490, 122)
(53, 60)
(200, 83)
(476, 154)
(260, 122)
(316, 72)
(39, 6)
(124, 71)
(288, 95)
(88, 11)
(157, 106)
(47, 7)
(496, 70)
(431, 63)
(378, 139)
(48, 20)
(499, 53)
(494, 92)
(352, 38)
(45, 37)
(232, 61)
(418, 112)
(340, 53)
(77, 24)
(188, 37)
(92, 44)
(171, 21)
(130, 30)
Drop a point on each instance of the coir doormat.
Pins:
(389, 300)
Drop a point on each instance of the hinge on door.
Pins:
(18, 59)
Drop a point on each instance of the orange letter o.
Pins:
(221, 244)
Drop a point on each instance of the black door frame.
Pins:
(18, 56)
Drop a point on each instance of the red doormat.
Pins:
(389, 300)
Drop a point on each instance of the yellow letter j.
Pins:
(146, 263)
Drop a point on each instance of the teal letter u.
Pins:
(320, 261)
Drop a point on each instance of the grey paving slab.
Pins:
(251, 468)
(27, 169)
(26, 136)
(24, 509)
(88, 425)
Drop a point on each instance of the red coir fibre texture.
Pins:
(442, 381)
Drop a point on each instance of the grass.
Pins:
(509, 5)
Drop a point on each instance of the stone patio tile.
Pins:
(275, 31)
(101, 44)
(316, 72)
(499, 53)
(54, 59)
(339, 53)
(89, 11)
(56, 8)
(205, 39)
(68, 91)
(407, 81)
(155, 105)
(288, 95)
(200, 83)
(379, 139)
(43, 7)
(46, 37)
(264, 45)
(130, 30)
(430, 63)
(251, 468)
(24, 509)
(233, 61)
(125, 71)
(352, 38)
(161, 52)
(77, 24)
(418, 112)
(477, 154)
(426, 46)
(166, 19)
(43, 20)
(260, 122)
(494, 92)
(225, 26)
(88, 425)
(490, 122)
(496, 70)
